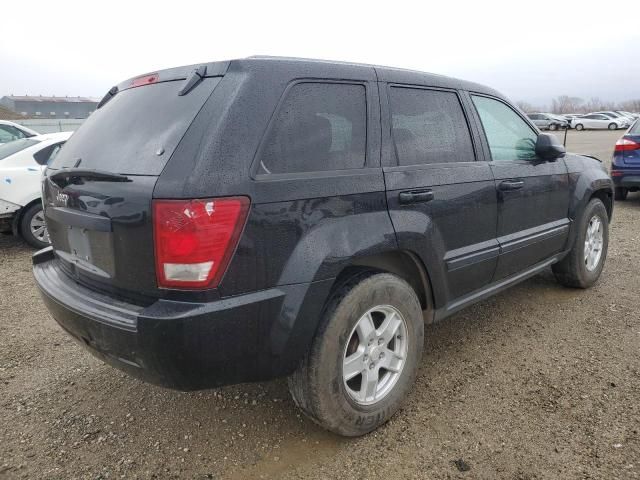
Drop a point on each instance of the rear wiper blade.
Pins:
(72, 175)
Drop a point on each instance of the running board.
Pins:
(492, 289)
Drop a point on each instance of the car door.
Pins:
(533, 194)
(441, 198)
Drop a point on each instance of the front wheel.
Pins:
(553, 127)
(583, 265)
(365, 356)
(32, 227)
(613, 126)
(579, 127)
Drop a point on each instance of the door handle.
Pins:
(508, 185)
(415, 196)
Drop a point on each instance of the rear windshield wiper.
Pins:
(68, 176)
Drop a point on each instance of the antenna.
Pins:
(566, 129)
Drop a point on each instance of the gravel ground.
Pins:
(538, 382)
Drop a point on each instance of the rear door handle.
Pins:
(415, 196)
(508, 185)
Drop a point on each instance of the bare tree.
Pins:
(566, 104)
(526, 107)
(631, 105)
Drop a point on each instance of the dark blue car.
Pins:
(625, 168)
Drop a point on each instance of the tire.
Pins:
(573, 270)
(318, 386)
(34, 216)
(620, 193)
(579, 127)
(553, 127)
(612, 126)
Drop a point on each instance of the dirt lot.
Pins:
(538, 382)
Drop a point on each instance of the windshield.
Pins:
(8, 149)
(137, 130)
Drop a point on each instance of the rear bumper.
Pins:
(184, 345)
(626, 178)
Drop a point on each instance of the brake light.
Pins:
(144, 80)
(195, 239)
(626, 144)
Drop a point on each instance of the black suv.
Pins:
(245, 220)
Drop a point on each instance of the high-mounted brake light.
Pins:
(144, 80)
(195, 239)
(626, 144)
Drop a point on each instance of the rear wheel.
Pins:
(579, 126)
(582, 266)
(32, 227)
(621, 193)
(613, 126)
(365, 356)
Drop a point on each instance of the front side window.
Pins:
(318, 127)
(429, 126)
(508, 135)
(9, 133)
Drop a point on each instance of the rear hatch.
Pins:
(97, 192)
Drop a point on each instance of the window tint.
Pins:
(9, 133)
(509, 136)
(429, 127)
(319, 126)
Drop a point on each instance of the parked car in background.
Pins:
(260, 226)
(624, 120)
(10, 131)
(21, 164)
(625, 167)
(547, 121)
(596, 121)
(633, 116)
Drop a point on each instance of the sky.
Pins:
(529, 50)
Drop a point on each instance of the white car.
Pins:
(596, 121)
(22, 162)
(626, 121)
(10, 131)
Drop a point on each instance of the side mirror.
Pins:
(548, 147)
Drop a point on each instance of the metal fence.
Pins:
(48, 125)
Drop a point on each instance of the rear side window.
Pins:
(429, 127)
(318, 127)
(137, 130)
(508, 135)
(44, 156)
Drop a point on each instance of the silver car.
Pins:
(547, 121)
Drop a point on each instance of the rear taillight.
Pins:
(626, 144)
(195, 239)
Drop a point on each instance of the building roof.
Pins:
(41, 98)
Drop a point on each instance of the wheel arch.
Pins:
(605, 195)
(405, 264)
(15, 226)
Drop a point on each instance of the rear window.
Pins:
(318, 127)
(136, 131)
(429, 126)
(8, 149)
(635, 129)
